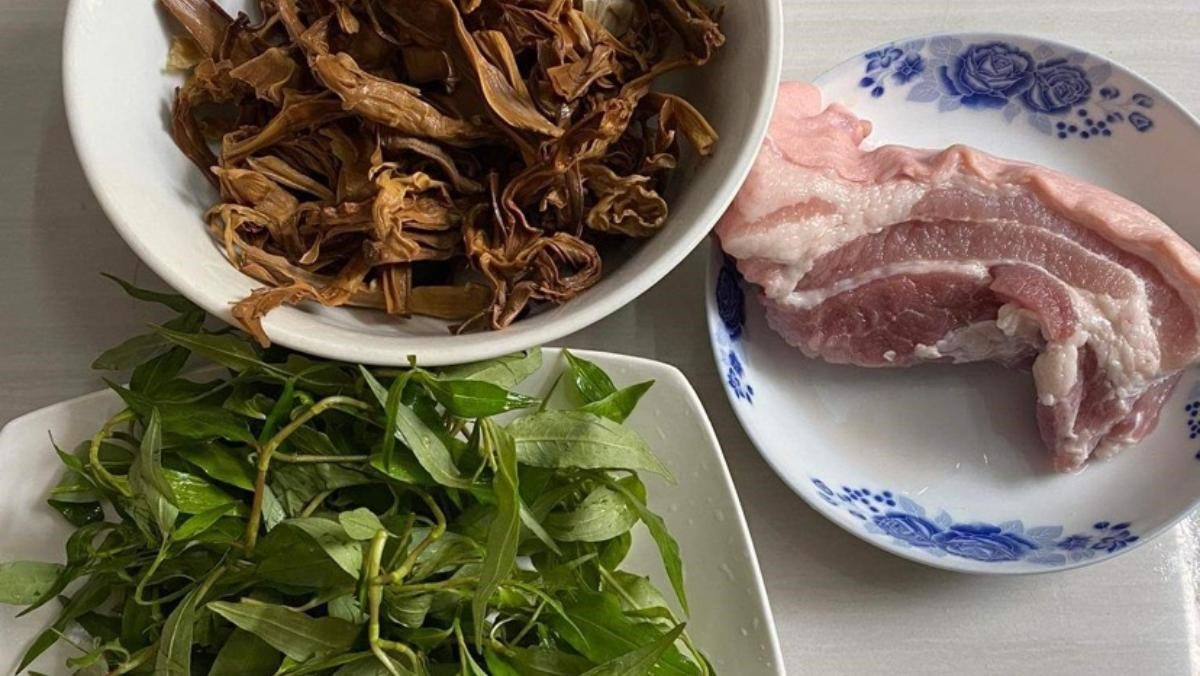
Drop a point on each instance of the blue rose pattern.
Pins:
(1001, 76)
(1057, 87)
(986, 76)
(900, 518)
(982, 542)
(731, 307)
(914, 530)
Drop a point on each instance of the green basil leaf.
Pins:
(428, 448)
(592, 383)
(23, 582)
(201, 422)
(543, 661)
(497, 665)
(292, 633)
(572, 439)
(194, 495)
(292, 556)
(406, 610)
(620, 404)
(504, 536)
(132, 352)
(201, 522)
(603, 515)
(360, 524)
(136, 620)
(475, 398)
(172, 300)
(601, 632)
(529, 520)
(230, 350)
(245, 654)
(78, 513)
(332, 538)
(89, 597)
(245, 400)
(506, 372)
(220, 463)
(149, 466)
(151, 376)
(640, 660)
(668, 548)
(175, 646)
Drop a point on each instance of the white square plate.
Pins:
(730, 620)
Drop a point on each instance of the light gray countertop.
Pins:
(841, 606)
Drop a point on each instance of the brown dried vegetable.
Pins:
(459, 159)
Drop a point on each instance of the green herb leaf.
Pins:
(506, 372)
(505, 533)
(201, 522)
(572, 439)
(194, 495)
(428, 448)
(668, 548)
(172, 300)
(620, 404)
(245, 654)
(292, 633)
(132, 352)
(601, 632)
(592, 383)
(203, 422)
(542, 661)
(90, 596)
(175, 647)
(78, 513)
(638, 661)
(227, 349)
(23, 582)
(360, 524)
(475, 398)
(307, 553)
(220, 463)
(603, 515)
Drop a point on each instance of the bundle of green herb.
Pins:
(296, 516)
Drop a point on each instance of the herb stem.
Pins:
(268, 449)
(531, 623)
(375, 599)
(439, 529)
(317, 459)
(314, 504)
(94, 451)
(136, 660)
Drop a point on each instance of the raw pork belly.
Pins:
(898, 256)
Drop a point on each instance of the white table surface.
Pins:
(841, 606)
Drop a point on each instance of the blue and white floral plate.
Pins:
(943, 464)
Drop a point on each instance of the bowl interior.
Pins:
(953, 452)
(155, 197)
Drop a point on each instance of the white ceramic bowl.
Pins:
(117, 98)
(943, 464)
(730, 617)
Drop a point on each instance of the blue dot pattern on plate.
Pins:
(887, 514)
(1192, 411)
(731, 307)
(1063, 95)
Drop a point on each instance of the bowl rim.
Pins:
(293, 330)
(801, 487)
